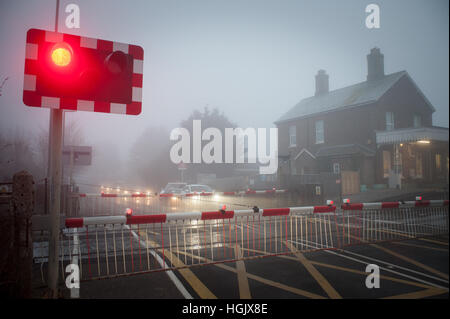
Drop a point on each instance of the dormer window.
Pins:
(320, 138)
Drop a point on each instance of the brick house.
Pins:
(374, 134)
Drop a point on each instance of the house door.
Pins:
(350, 182)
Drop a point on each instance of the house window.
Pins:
(417, 120)
(386, 163)
(336, 168)
(390, 121)
(319, 132)
(292, 136)
(293, 169)
(318, 190)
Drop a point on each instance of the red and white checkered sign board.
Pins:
(35, 37)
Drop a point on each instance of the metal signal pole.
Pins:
(54, 171)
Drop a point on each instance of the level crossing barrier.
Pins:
(109, 246)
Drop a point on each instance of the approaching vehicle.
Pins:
(175, 189)
(199, 189)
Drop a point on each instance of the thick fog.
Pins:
(251, 60)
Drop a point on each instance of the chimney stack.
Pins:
(375, 65)
(322, 86)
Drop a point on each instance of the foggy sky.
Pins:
(253, 60)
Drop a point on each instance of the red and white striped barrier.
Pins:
(211, 215)
(225, 214)
(387, 205)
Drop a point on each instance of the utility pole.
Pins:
(55, 63)
(70, 190)
(54, 172)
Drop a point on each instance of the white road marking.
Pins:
(396, 266)
(170, 273)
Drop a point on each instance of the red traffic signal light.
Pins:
(78, 73)
(61, 56)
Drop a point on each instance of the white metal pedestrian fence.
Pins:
(111, 246)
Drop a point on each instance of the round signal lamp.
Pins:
(61, 56)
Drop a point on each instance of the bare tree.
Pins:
(215, 119)
(3, 84)
(150, 159)
(16, 154)
(73, 135)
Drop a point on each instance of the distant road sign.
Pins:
(82, 155)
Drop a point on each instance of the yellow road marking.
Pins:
(275, 284)
(411, 261)
(393, 233)
(419, 294)
(434, 241)
(187, 274)
(268, 282)
(412, 237)
(407, 282)
(326, 286)
(365, 274)
(418, 264)
(244, 289)
(419, 246)
(429, 291)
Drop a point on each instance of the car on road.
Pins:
(199, 189)
(175, 189)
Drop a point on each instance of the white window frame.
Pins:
(336, 168)
(318, 190)
(292, 136)
(390, 121)
(417, 121)
(320, 132)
